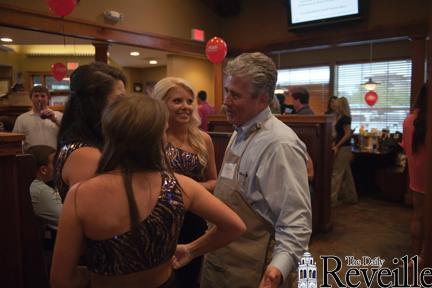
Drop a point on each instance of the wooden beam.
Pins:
(428, 203)
(332, 37)
(42, 22)
(418, 58)
(218, 86)
(101, 52)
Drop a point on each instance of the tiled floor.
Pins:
(371, 228)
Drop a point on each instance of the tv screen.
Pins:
(315, 12)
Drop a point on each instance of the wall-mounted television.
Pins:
(307, 13)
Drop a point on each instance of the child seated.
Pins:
(46, 201)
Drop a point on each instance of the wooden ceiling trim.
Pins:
(331, 37)
(42, 22)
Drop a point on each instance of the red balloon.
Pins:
(371, 97)
(59, 71)
(216, 50)
(61, 7)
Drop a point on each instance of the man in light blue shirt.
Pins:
(263, 179)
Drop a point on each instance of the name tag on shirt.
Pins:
(228, 170)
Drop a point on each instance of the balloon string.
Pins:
(64, 38)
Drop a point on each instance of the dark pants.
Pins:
(193, 228)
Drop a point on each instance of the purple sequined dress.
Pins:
(187, 163)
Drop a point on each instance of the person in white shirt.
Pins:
(264, 180)
(40, 125)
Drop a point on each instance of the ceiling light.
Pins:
(134, 53)
(5, 39)
(153, 62)
(370, 84)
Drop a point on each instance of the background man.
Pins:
(301, 101)
(39, 125)
(264, 180)
(204, 109)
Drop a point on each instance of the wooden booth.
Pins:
(315, 132)
(21, 256)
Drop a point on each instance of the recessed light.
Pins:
(134, 53)
(153, 62)
(5, 39)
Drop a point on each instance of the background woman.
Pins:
(342, 156)
(331, 105)
(413, 142)
(92, 87)
(190, 152)
(133, 245)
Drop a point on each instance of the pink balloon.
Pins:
(59, 71)
(216, 50)
(371, 98)
(61, 7)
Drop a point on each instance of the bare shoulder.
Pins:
(206, 137)
(85, 153)
(81, 165)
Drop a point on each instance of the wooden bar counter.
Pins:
(315, 132)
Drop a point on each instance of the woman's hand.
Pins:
(335, 149)
(182, 256)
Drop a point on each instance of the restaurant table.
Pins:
(366, 164)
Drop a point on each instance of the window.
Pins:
(314, 79)
(59, 90)
(394, 93)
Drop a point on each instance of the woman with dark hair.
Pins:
(92, 87)
(135, 244)
(413, 142)
(331, 105)
(189, 152)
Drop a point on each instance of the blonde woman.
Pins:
(190, 152)
(342, 155)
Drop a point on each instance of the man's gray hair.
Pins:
(257, 67)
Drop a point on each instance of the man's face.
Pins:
(39, 100)
(240, 106)
(296, 103)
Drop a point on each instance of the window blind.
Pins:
(394, 93)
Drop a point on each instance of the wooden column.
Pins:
(428, 204)
(101, 50)
(418, 56)
(10, 250)
(218, 86)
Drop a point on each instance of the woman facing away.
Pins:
(342, 182)
(92, 87)
(135, 244)
(189, 152)
(413, 142)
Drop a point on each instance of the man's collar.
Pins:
(255, 122)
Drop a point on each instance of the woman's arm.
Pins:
(210, 171)
(81, 165)
(69, 244)
(227, 225)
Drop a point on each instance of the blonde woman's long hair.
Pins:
(343, 107)
(195, 139)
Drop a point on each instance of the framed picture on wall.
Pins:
(137, 87)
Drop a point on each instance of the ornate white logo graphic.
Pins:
(307, 272)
